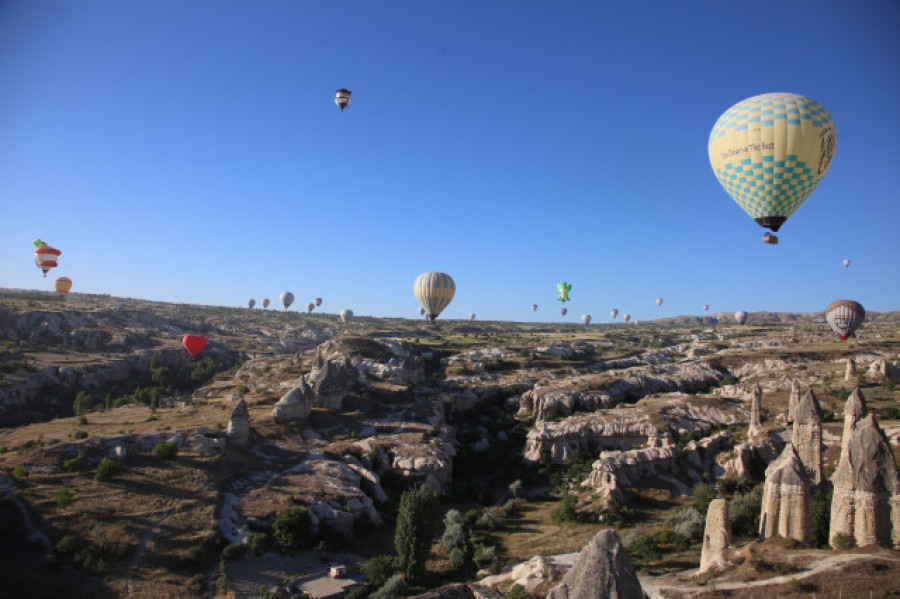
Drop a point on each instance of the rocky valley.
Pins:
(687, 457)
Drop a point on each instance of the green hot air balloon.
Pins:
(563, 289)
(769, 152)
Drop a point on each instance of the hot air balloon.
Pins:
(266, 302)
(62, 286)
(421, 311)
(251, 303)
(317, 301)
(310, 307)
(194, 344)
(346, 315)
(627, 317)
(705, 307)
(287, 298)
(471, 316)
(659, 301)
(586, 318)
(769, 152)
(534, 307)
(613, 312)
(847, 263)
(740, 316)
(845, 316)
(563, 311)
(434, 290)
(342, 98)
(563, 289)
(45, 257)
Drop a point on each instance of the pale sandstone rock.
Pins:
(716, 536)
(850, 371)
(785, 505)
(602, 569)
(793, 400)
(239, 425)
(806, 435)
(294, 405)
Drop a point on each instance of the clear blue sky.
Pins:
(190, 151)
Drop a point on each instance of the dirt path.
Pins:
(654, 588)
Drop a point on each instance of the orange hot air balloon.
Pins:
(265, 302)
(194, 344)
(45, 257)
(62, 286)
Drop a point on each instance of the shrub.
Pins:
(258, 543)
(728, 485)
(392, 588)
(689, 523)
(74, 464)
(820, 516)
(485, 555)
(80, 434)
(454, 532)
(379, 569)
(106, 469)
(842, 541)
(20, 472)
(490, 520)
(82, 404)
(566, 510)
(517, 592)
(703, 494)
(63, 496)
(234, 551)
(743, 509)
(165, 451)
(649, 548)
(291, 527)
(458, 558)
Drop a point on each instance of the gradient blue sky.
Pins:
(190, 151)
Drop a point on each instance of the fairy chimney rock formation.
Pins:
(850, 372)
(854, 410)
(756, 410)
(785, 504)
(865, 506)
(794, 400)
(807, 435)
(238, 431)
(602, 569)
(716, 537)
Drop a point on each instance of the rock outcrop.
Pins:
(850, 371)
(855, 409)
(716, 536)
(793, 400)
(293, 405)
(755, 410)
(602, 569)
(806, 435)
(785, 504)
(238, 432)
(865, 506)
(750, 459)
(331, 382)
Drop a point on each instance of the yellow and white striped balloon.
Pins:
(434, 291)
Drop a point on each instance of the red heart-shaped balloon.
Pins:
(194, 344)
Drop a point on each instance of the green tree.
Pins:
(106, 469)
(82, 403)
(416, 520)
(820, 516)
(379, 569)
(291, 527)
(703, 494)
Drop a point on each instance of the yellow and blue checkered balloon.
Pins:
(770, 151)
(434, 290)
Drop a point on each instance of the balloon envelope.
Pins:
(194, 344)
(45, 257)
(613, 312)
(346, 315)
(434, 291)
(534, 307)
(471, 316)
(287, 298)
(62, 285)
(251, 303)
(770, 151)
(586, 318)
(342, 98)
(318, 301)
(563, 289)
(266, 302)
(310, 307)
(705, 307)
(740, 316)
(563, 311)
(627, 317)
(659, 301)
(846, 263)
(844, 317)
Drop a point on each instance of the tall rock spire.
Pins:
(807, 435)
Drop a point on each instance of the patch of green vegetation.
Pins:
(15, 367)
(165, 450)
(106, 469)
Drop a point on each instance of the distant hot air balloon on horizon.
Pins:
(287, 298)
(627, 317)
(613, 312)
(317, 301)
(740, 316)
(346, 315)
(194, 344)
(847, 263)
(251, 303)
(586, 318)
(563, 311)
(62, 286)
(844, 317)
(471, 316)
(563, 289)
(434, 292)
(770, 152)
(659, 301)
(705, 307)
(342, 98)
(266, 302)
(45, 257)
(310, 307)
(534, 307)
